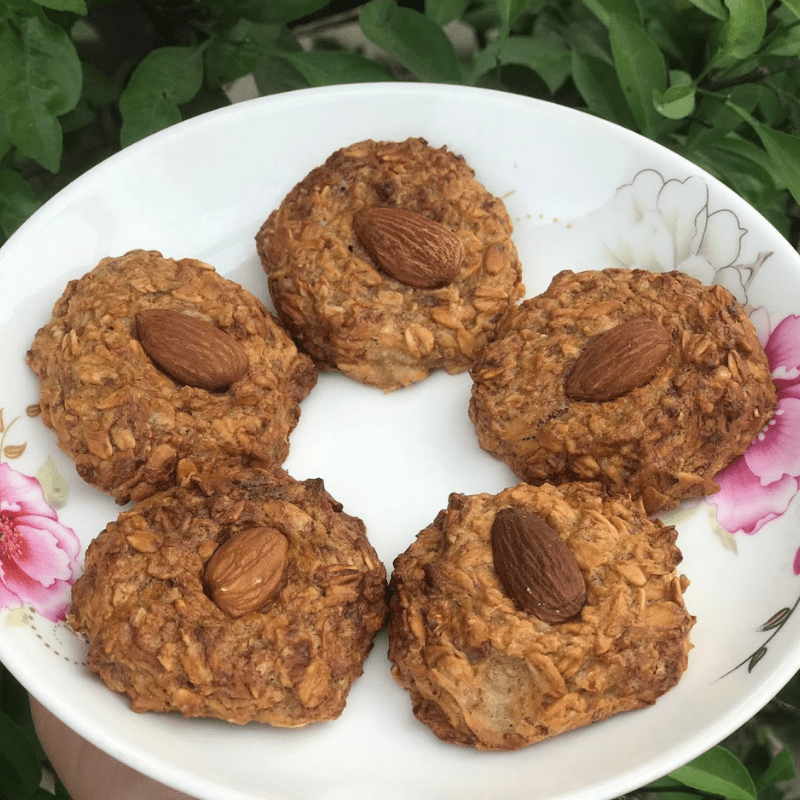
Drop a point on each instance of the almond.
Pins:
(245, 572)
(413, 249)
(623, 358)
(190, 350)
(535, 567)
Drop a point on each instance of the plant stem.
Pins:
(758, 74)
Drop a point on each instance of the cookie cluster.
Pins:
(230, 589)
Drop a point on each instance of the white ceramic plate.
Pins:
(583, 194)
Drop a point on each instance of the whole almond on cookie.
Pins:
(245, 572)
(623, 358)
(535, 567)
(190, 350)
(415, 250)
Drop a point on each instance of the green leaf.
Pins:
(325, 68)
(780, 769)
(759, 165)
(275, 75)
(667, 788)
(5, 140)
(510, 9)
(677, 77)
(793, 6)
(714, 118)
(738, 163)
(785, 42)
(590, 36)
(50, 67)
(772, 107)
(641, 70)
(13, 787)
(550, 60)
(784, 150)
(40, 79)
(17, 200)
(172, 72)
(19, 762)
(712, 7)
(718, 772)
(443, 12)
(61, 792)
(606, 10)
(677, 102)
(272, 11)
(41, 794)
(75, 6)
(742, 33)
(142, 117)
(15, 702)
(237, 51)
(34, 131)
(413, 39)
(14, 699)
(164, 79)
(599, 86)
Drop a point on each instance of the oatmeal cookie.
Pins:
(650, 383)
(144, 601)
(483, 672)
(342, 306)
(130, 427)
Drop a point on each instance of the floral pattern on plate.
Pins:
(759, 486)
(663, 224)
(38, 554)
(772, 626)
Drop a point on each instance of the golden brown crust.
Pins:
(482, 673)
(349, 315)
(156, 637)
(663, 441)
(130, 428)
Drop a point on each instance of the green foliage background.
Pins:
(717, 81)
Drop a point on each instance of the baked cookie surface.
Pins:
(130, 427)
(709, 394)
(347, 312)
(483, 673)
(144, 602)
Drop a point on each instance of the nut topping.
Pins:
(535, 567)
(413, 249)
(245, 572)
(190, 350)
(621, 359)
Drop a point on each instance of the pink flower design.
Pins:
(759, 486)
(38, 555)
